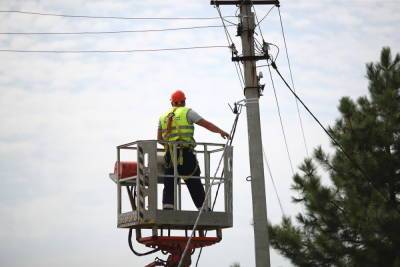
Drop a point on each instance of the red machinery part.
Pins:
(175, 245)
(126, 169)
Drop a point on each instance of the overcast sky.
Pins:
(63, 115)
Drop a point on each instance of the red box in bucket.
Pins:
(126, 169)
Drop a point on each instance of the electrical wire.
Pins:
(134, 251)
(273, 182)
(292, 81)
(111, 51)
(281, 122)
(115, 32)
(230, 22)
(231, 44)
(239, 73)
(266, 15)
(227, 34)
(257, 21)
(297, 105)
(277, 103)
(262, 50)
(107, 17)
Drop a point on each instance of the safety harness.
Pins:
(176, 127)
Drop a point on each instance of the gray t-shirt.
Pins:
(192, 117)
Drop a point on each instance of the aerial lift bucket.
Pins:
(141, 177)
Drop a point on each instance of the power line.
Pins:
(116, 32)
(107, 17)
(230, 22)
(290, 70)
(229, 39)
(281, 122)
(277, 104)
(275, 95)
(291, 78)
(273, 182)
(264, 47)
(258, 22)
(227, 34)
(266, 15)
(111, 51)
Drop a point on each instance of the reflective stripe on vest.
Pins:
(181, 129)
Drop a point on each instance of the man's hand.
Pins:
(224, 135)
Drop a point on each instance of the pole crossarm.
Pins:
(245, 2)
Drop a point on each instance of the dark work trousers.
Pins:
(189, 167)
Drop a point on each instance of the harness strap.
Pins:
(184, 177)
(171, 116)
(179, 160)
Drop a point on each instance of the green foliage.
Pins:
(235, 264)
(356, 220)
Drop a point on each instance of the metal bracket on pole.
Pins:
(260, 88)
(249, 58)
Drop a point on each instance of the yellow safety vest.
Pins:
(181, 129)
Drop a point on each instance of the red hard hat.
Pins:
(178, 96)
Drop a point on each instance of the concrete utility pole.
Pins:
(252, 94)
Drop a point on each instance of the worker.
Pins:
(177, 125)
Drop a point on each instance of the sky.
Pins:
(62, 115)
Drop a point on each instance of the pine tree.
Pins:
(354, 221)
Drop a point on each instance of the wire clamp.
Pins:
(233, 50)
(260, 89)
(239, 29)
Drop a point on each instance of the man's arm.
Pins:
(213, 128)
(159, 135)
